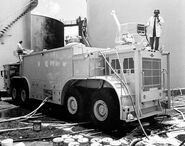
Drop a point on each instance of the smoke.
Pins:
(48, 8)
(61, 9)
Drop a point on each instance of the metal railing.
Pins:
(32, 4)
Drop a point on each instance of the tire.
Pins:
(75, 105)
(104, 109)
(15, 93)
(24, 95)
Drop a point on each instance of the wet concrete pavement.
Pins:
(9, 110)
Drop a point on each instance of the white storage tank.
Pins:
(14, 26)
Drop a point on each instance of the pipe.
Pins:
(113, 13)
(168, 80)
(180, 113)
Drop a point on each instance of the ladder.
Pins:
(31, 5)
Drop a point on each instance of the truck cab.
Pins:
(10, 70)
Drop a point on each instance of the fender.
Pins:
(97, 83)
(23, 79)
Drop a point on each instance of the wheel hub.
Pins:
(14, 93)
(100, 110)
(23, 95)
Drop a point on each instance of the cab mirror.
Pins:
(2, 73)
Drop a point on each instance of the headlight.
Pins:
(130, 116)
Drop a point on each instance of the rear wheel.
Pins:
(24, 95)
(75, 105)
(15, 93)
(104, 109)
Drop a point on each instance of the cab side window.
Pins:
(128, 65)
(115, 65)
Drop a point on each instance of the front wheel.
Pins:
(104, 109)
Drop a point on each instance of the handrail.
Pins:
(120, 66)
(117, 75)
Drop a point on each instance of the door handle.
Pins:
(143, 80)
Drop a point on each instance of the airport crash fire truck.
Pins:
(106, 85)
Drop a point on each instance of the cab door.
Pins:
(10, 70)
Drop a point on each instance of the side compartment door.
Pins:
(151, 75)
(151, 91)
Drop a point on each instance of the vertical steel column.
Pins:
(167, 54)
(168, 79)
(138, 81)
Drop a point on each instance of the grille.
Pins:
(151, 73)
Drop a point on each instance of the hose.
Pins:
(135, 141)
(85, 39)
(129, 95)
(31, 114)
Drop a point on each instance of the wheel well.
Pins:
(14, 82)
(87, 87)
(66, 87)
(108, 118)
(19, 82)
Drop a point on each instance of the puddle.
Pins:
(12, 112)
(180, 137)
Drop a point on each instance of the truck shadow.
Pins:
(53, 112)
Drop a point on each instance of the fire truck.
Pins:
(105, 85)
